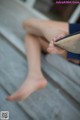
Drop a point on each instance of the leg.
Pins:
(35, 79)
(44, 44)
(46, 28)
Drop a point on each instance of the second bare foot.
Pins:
(31, 85)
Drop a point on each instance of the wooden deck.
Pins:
(60, 100)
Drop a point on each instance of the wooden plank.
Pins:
(65, 78)
(46, 104)
(11, 30)
(14, 110)
(65, 74)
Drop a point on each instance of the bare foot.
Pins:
(31, 85)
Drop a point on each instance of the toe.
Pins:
(16, 96)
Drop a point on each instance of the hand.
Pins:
(53, 49)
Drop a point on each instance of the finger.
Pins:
(59, 36)
(55, 38)
(51, 45)
(52, 41)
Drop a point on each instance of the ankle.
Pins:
(35, 74)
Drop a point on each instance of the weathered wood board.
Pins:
(60, 100)
(15, 112)
(45, 104)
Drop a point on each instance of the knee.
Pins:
(29, 23)
(27, 37)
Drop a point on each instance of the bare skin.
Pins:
(40, 34)
(35, 79)
(46, 28)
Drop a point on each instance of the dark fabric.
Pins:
(73, 28)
